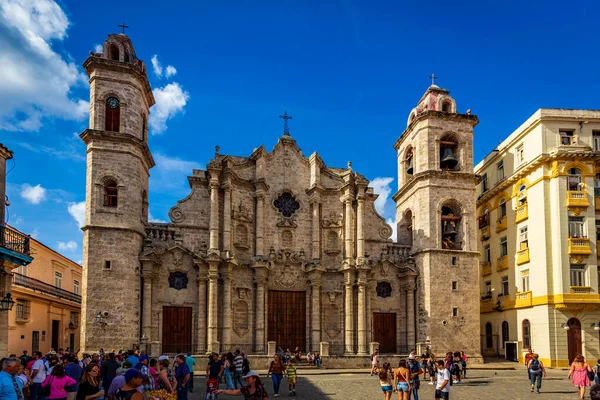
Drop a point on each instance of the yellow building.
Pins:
(47, 295)
(538, 232)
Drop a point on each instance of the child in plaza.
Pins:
(211, 389)
(290, 372)
(442, 387)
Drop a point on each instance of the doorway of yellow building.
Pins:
(574, 338)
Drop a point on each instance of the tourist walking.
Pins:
(89, 387)
(415, 370)
(165, 376)
(11, 388)
(58, 381)
(456, 367)
(402, 380)
(239, 363)
(579, 374)
(431, 366)
(23, 375)
(276, 371)
(214, 369)
(386, 376)
(291, 373)
(228, 370)
(133, 380)
(464, 363)
(528, 357)
(254, 389)
(38, 374)
(442, 386)
(374, 363)
(73, 370)
(182, 375)
(536, 370)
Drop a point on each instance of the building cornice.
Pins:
(471, 119)
(117, 137)
(439, 174)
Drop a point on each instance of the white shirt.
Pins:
(443, 375)
(41, 374)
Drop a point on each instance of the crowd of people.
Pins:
(123, 375)
(406, 379)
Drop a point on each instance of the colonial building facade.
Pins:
(274, 246)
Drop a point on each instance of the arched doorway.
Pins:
(574, 338)
(489, 339)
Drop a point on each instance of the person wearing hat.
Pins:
(254, 389)
(415, 370)
(129, 391)
(142, 366)
(120, 380)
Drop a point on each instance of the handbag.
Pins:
(45, 391)
(591, 375)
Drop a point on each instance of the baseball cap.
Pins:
(411, 357)
(249, 374)
(189, 353)
(132, 374)
(144, 357)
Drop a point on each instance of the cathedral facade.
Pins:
(275, 247)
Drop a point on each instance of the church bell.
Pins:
(449, 229)
(409, 167)
(448, 160)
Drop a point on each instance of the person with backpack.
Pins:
(456, 367)
(415, 370)
(597, 373)
(536, 370)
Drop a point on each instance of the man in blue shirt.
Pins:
(11, 387)
(73, 370)
(189, 360)
(182, 375)
(133, 359)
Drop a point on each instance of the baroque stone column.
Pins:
(362, 315)
(316, 227)
(213, 298)
(214, 214)
(315, 284)
(348, 311)
(360, 234)
(260, 278)
(410, 311)
(260, 204)
(226, 275)
(202, 326)
(147, 305)
(227, 217)
(348, 245)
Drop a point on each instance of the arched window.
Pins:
(449, 153)
(505, 333)
(574, 179)
(112, 114)
(526, 334)
(450, 222)
(446, 106)
(113, 52)
(409, 161)
(110, 194)
(489, 338)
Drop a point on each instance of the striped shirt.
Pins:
(239, 362)
(291, 371)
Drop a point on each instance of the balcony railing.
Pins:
(522, 213)
(501, 225)
(523, 256)
(579, 246)
(581, 289)
(42, 287)
(523, 299)
(486, 268)
(487, 305)
(14, 240)
(502, 263)
(485, 232)
(577, 198)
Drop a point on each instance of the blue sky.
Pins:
(348, 72)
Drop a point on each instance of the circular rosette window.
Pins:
(286, 204)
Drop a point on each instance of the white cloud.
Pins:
(392, 222)
(77, 211)
(170, 71)
(36, 82)
(170, 101)
(156, 67)
(67, 246)
(165, 163)
(381, 186)
(33, 194)
(152, 219)
(98, 48)
(35, 233)
(169, 175)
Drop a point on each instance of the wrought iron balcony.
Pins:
(38, 286)
(14, 240)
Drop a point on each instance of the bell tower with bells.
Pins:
(435, 214)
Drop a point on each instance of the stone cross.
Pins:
(123, 26)
(433, 78)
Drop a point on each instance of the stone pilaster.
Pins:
(348, 311)
(260, 278)
(147, 305)
(214, 213)
(260, 204)
(361, 313)
(202, 322)
(227, 217)
(316, 226)
(410, 311)
(348, 242)
(315, 284)
(226, 275)
(213, 298)
(360, 233)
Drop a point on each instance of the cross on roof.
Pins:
(123, 26)
(433, 78)
(285, 117)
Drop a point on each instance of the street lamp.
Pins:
(7, 303)
(564, 326)
(596, 326)
(100, 319)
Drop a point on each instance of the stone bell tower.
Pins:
(435, 210)
(118, 164)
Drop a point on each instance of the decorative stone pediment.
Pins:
(290, 222)
(242, 212)
(334, 220)
(286, 256)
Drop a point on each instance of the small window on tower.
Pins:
(110, 194)
(112, 114)
(107, 264)
(446, 106)
(113, 52)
